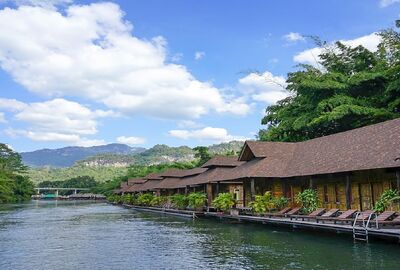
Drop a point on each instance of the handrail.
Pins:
(369, 220)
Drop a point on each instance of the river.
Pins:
(82, 235)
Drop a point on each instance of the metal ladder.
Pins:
(360, 233)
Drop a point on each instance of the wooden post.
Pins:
(398, 179)
(186, 190)
(217, 188)
(252, 189)
(209, 194)
(311, 183)
(348, 191)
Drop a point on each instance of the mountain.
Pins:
(106, 166)
(67, 156)
(119, 155)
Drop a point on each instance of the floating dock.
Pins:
(166, 211)
(392, 235)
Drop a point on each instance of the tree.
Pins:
(351, 88)
(14, 186)
(202, 154)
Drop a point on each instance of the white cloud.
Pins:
(50, 4)
(294, 37)
(131, 140)
(310, 56)
(71, 139)
(207, 133)
(199, 55)
(88, 51)
(62, 116)
(264, 87)
(2, 118)
(189, 124)
(11, 104)
(56, 120)
(385, 3)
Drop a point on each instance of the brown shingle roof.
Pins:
(153, 176)
(169, 183)
(132, 181)
(212, 175)
(149, 185)
(182, 173)
(222, 161)
(371, 147)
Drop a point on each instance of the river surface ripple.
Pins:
(83, 235)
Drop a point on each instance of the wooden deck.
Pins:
(166, 211)
(383, 233)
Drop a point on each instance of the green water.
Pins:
(82, 235)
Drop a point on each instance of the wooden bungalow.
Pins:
(348, 169)
(174, 181)
(208, 181)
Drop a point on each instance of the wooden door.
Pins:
(366, 196)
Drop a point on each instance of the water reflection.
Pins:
(80, 235)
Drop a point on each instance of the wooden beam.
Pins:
(348, 192)
(209, 194)
(252, 189)
(398, 179)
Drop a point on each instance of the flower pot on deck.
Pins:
(234, 212)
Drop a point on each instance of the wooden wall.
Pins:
(366, 188)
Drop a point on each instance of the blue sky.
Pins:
(152, 71)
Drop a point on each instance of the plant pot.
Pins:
(234, 212)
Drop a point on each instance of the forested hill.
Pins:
(67, 156)
(119, 155)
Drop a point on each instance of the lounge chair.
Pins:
(312, 215)
(361, 218)
(345, 216)
(329, 214)
(281, 213)
(388, 221)
(294, 211)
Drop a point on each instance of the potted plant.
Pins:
(179, 201)
(197, 200)
(388, 197)
(308, 199)
(145, 199)
(224, 202)
(158, 201)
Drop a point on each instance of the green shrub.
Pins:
(388, 196)
(179, 201)
(197, 199)
(280, 202)
(115, 198)
(266, 203)
(145, 199)
(159, 201)
(128, 199)
(224, 201)
(308, 200)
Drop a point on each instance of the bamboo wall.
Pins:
(366, 188)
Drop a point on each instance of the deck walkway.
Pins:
(172, 212)
(383, 233)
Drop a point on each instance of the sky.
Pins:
(146, 72)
